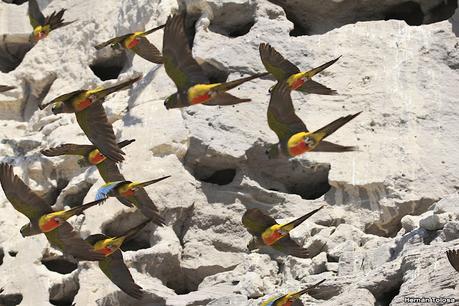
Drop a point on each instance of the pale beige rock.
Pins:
(391, 211)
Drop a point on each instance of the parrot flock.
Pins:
(193, 87)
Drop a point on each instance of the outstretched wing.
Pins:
(287, 246)
(68, 149)
(116, 270)
(4, 88)
(69, 241)
(314, 87)
(281, 113)
(179, 63)
(35, 15)
(453, 257)
(256, 221)
(143, 202)
(148, 51)
(94, 123)
(225, 98)
(21, 196)
(275, 63)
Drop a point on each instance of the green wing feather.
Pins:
(287, 246)
(94, 123)
(148, 51)
(69, 241)
(143, 202)
(275, 63)
(68, 149)
(256, 221)
(179, 63)
(21, 196)
(116, 270)
(281, 113)
(453, 257)
(35, 15)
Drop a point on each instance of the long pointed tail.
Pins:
(300, 220)
(316, 70)
(232, 84)
(123, 85)
(305, 290)
(148, 183)
(133, 231)
(335, 125)
(154, 29)
(79, 209)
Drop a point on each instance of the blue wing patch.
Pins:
(103, 192)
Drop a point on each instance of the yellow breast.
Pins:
(200, 93)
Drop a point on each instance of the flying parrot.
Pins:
(138, 43)
(284, 70)
(193, 86)
(267, 232)
(43, 26)
(289, 298)
(107, 168)
(43, 219)
(113, 265)
(294, 137)
(4, 88)
(91, 116)
(134, 194)
(91, 156)
(453, 257)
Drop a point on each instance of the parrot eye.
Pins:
(309, 141)
(57, 220)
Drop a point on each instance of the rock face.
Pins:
(391, 207)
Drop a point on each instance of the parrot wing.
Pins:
(35, 15)
(225, 98)
(275, 63)
(115, 269)
(112, 41)
(94, 123)
(4, 88)
(68, 149)
(148, 51)
(281, 113)
(143, 202)
(109, 171)
(179, 63)
(69, 241)
(314, 87)
(453, 257)
(256, 221)
(21, 196)
(287, 246)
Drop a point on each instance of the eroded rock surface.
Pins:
(390, 208)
